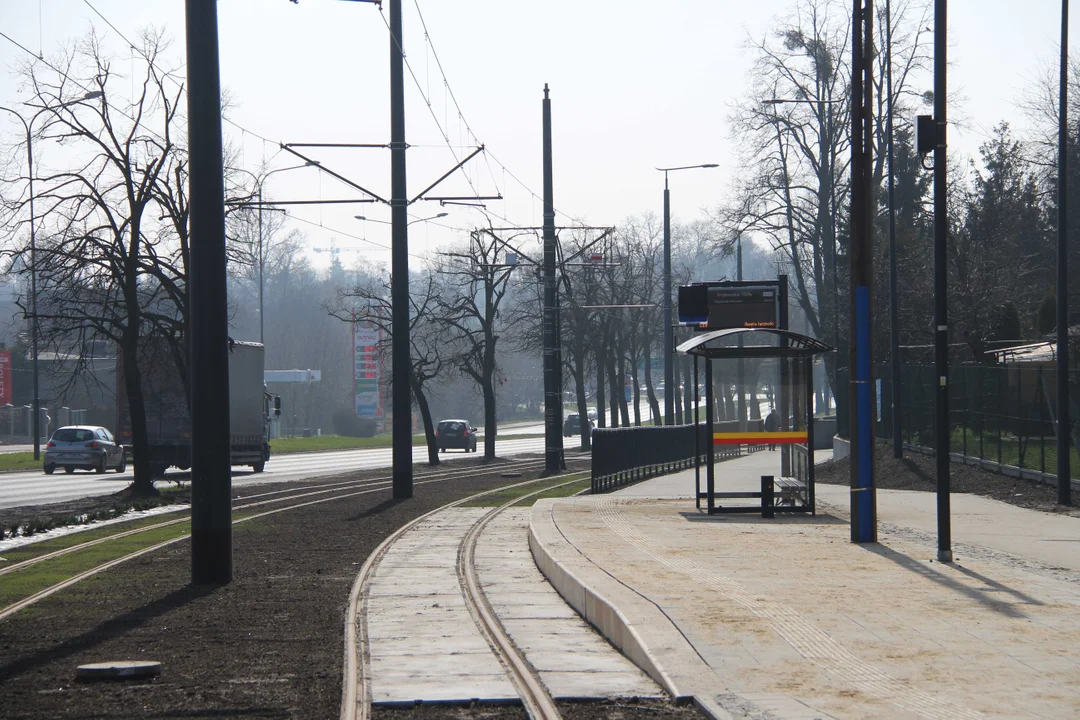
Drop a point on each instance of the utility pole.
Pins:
(860, 359)
(669, 340)
(894, 310)
(211, 479)
(553, 444)
(941, 307)
(399, 253)
(1064, 472)
(740, 370)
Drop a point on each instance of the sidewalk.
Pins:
(786, 618)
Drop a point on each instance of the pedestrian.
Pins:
(772, 424)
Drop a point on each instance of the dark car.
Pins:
(459, 434)
(572, 425)
(89, 447)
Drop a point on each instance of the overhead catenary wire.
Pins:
(461, 116)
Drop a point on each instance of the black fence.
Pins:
(1000, 416)
(623, 456)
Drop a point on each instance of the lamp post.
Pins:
(36, 408)
(1064, 474)
(669, 370)
(261, 249)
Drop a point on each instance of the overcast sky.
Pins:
(634, 85)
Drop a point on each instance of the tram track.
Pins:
(336, 490)
(356, 701)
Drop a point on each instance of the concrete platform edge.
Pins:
(558, 560)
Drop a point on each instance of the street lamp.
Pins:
(669, 369)
(36, 409)
(261, 252)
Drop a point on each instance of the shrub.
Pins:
(347, 424)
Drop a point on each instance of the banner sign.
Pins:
(5, 377)
(366, 338)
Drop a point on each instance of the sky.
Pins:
(634, 85)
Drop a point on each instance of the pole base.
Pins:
(944, 556)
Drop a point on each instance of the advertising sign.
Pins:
(366, 369)
(722, 305)
(5, 377)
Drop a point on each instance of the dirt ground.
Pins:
(916, 471)
(269, 644)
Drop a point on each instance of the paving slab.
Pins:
(424, 644)
(786, 618)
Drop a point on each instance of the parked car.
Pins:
(572, 425)
(458, 434)
(90, 447)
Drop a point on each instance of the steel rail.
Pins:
(290, 494)
(356, 673)
(525, 678)
(367, 484)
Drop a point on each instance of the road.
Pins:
(36, 488)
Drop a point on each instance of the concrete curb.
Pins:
(653, 643)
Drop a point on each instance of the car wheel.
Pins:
(68, 469)
(122, 467)
(102, 466)
(49, 469)
(442, 449)
(259, 466)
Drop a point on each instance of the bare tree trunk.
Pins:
(650, 391)
(601, 420)
(613, 383)
(144, 481)
(429, 426)
(490, 426)
(584, 426)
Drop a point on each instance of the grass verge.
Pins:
(28, 581)
(582, 481)
(284, 446)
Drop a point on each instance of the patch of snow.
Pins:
(69, 529)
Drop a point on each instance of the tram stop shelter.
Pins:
(793, 489)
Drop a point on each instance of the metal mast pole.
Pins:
(669, 370)
(399, 281)
(211, 481)
(552, 358)
(894, 310)
(262, 267)
(941, 307)
(860, 358)
(33, 298)
(740, 367)
(1064, 473)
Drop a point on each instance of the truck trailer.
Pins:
(168, 419)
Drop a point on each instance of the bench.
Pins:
(784, 493)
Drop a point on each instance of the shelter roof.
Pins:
(757, 343)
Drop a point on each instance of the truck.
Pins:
(168, 420)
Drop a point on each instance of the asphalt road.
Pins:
(36, 488)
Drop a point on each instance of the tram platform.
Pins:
(786, 619)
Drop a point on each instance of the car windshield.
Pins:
(73, 435)
(572, 418)
(453, 426)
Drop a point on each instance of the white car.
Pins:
(90, 447)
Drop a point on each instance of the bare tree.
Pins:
(474, 286)
(370, 301)
(105, 269)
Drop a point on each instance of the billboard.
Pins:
(366, 338)
(722, 305)
(5, 377)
